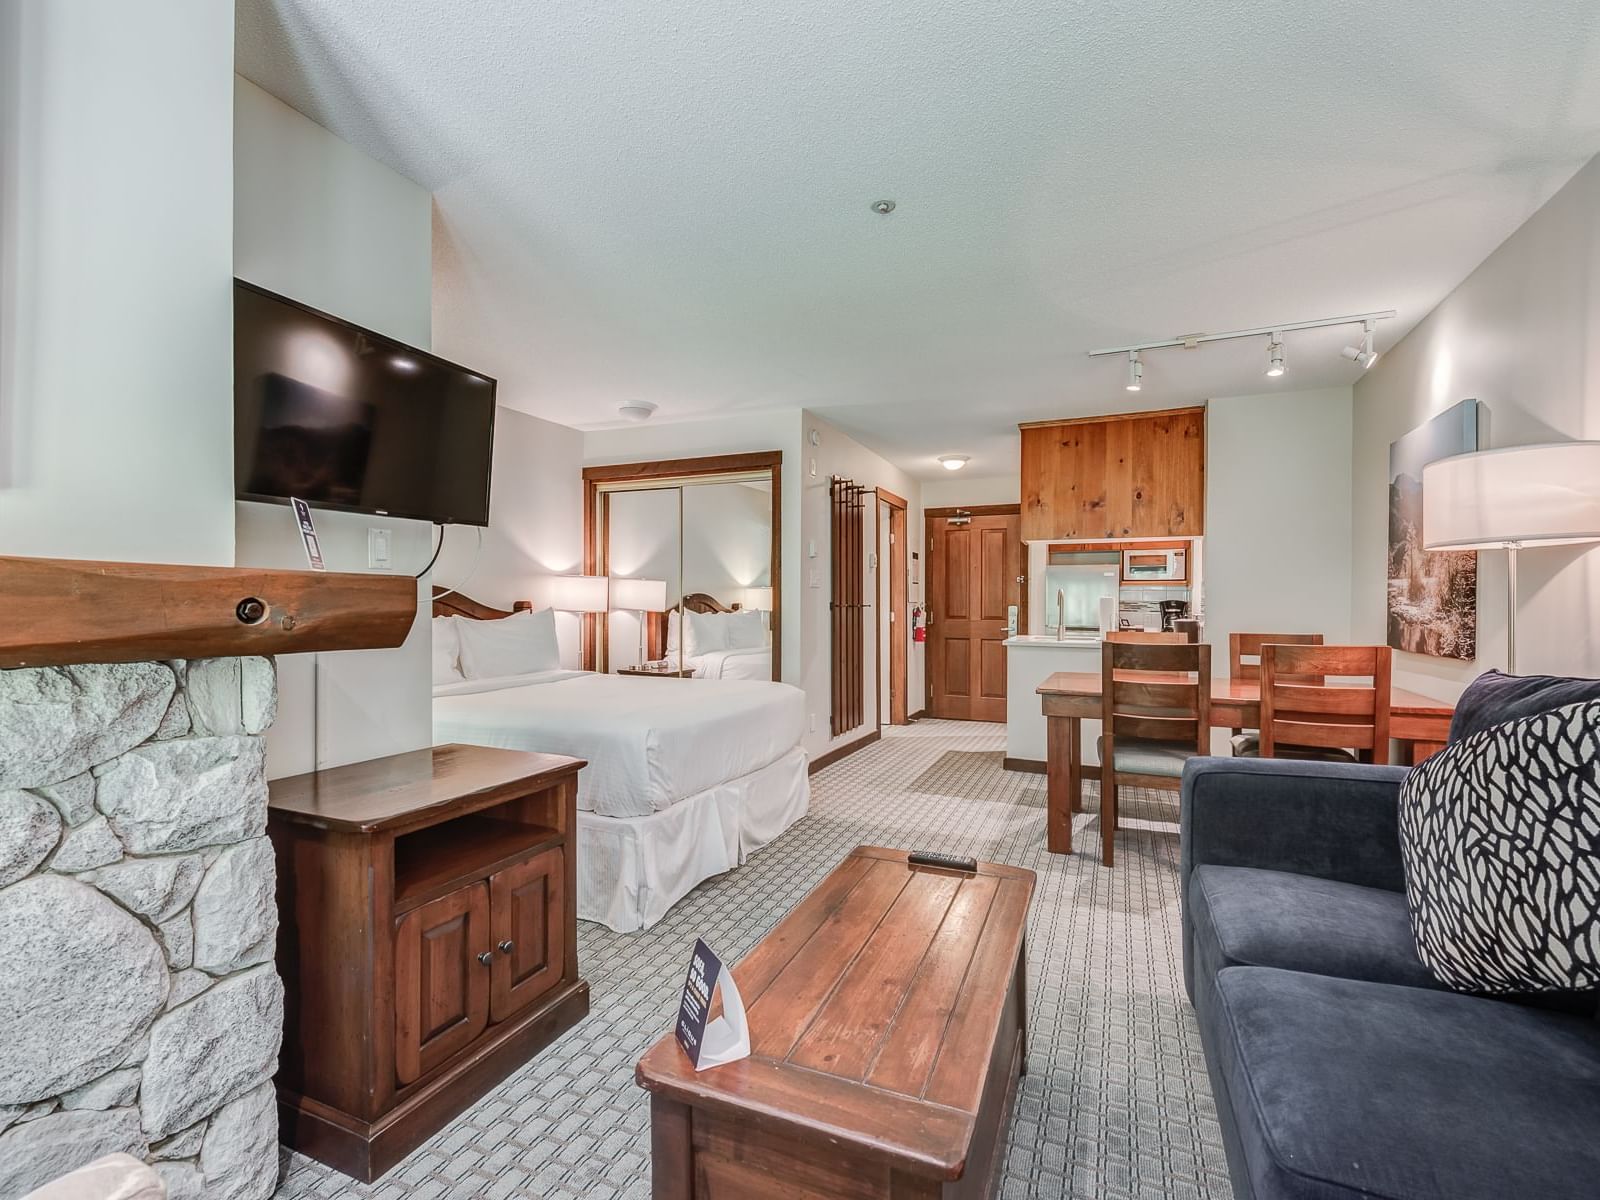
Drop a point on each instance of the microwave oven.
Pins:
(1155, 566)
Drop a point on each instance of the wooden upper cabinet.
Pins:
(1131, 475)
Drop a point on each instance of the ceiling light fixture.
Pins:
(1275, 356)
(883, 207)
(1365, 354)
(954, 462)
(636, 410)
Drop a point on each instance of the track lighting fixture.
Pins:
(1365, 354)
(1275, 356)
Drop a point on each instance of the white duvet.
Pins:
(649, 742)
(754, 663)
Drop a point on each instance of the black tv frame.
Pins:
(398, 347)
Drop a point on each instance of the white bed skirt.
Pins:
(631, 870)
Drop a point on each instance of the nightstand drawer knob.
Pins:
(506, 947)
(486, 958)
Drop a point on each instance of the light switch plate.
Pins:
(378, 557)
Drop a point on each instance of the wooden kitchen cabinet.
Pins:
(1129, 475)
(427, 941)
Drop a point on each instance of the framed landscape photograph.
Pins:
(1432, 595)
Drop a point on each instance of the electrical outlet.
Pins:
(378, 557)
(815, 578)
(813, 722)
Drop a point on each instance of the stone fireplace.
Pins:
(140, 1010)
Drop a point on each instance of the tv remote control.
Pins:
(947, 862)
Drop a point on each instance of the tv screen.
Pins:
(341, 417)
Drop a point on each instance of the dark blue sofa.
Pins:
(1340, 1066)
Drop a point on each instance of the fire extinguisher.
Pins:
(919, 624)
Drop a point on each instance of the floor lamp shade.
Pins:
(579, 593)
(1525, 496)
(1513, 499)
(638, 595)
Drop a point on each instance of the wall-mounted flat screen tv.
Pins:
(345, 418)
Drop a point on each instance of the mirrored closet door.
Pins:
(691, 547)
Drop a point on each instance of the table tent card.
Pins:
(725, 1039)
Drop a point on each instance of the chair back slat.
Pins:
(1147, 637)
(1136, 691)
(1151, 656)
(1345, 716)
(1156, 729)
(1244, 650)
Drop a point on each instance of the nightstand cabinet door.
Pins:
(442, 968)
(528, 913)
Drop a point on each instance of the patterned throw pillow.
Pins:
(1500, 834)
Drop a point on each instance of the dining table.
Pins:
(1419, 723)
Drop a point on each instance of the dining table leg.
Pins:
(1064, 781)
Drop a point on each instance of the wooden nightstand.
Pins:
(684, 674)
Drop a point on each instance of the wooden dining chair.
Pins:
(1244, 662)
(1147, 637)
(1338, 722)
(1155, 715)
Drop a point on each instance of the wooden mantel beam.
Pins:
(56, 612)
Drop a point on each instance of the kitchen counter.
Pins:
(1029, 662)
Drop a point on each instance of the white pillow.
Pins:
(707, 632)
(515, 645)
(672, 630)
(746, 630)
(446, 651)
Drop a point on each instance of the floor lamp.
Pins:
(639, 596)
(1512, 500)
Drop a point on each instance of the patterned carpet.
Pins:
(1115, 1103)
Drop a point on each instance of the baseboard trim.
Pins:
(1033, 766)
(838, 752)
(916, 716)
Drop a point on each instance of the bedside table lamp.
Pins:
(760, 599)
(1513, 499)
(585, 594)
(639, 596)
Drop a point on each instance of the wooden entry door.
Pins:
(974, 573)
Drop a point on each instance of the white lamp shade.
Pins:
(1546, 495)
(579, 593)
(759, 598)
(638, 595)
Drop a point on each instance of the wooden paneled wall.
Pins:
(1130, 475)
(847, 607)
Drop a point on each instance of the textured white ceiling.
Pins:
(667, 200)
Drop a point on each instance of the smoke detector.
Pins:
(636, 410)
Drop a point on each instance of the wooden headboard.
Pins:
(701, 602)
(449, 603)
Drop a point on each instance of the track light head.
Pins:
(1135, 371)
(1365, 354)
(1275, 356)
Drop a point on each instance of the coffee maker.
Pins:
(1171, 612)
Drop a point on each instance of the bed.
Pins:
(685, 779)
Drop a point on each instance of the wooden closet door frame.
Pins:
(898, 576)
(929, 518)
(666, 473)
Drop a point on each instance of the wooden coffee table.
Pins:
(887, 1028)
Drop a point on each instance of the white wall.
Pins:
(838, 454)
(535, 526)
(116, 312)
(954, 491)
(319, 221)
(1276, 551)
(1522, 335)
